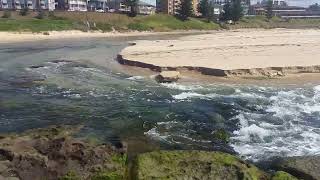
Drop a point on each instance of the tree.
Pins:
(236, 10)
(206, 8)
(227, 11)
(315, 7)
(185, 10)
(269, 8)
(133, 7)
(203, 7)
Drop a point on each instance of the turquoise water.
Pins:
(54, 83)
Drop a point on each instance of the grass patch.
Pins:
(105, 22)
(161, 22)
(35, 25)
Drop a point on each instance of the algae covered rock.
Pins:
(53, 153)
(194, 165)
(307, 167)
(168, 76)
(281, 175)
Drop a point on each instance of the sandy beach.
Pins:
(248, 52)
(13, 37)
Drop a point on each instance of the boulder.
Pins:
(53, 153)
(168, 76)
(301, 167)
(193, 165)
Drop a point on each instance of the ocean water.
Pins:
(56, 83)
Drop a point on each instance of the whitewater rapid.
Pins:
(279, 121)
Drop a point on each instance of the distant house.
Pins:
(145, 8)
(98, 4)
(6, 4)
(118, 6)
(77, 5)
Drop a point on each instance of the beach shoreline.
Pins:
(16, 37)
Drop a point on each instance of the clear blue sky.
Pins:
(304, 3)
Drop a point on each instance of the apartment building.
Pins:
(172, 6)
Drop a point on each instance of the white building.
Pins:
(279, 2)
(5, 4)
(78, 5)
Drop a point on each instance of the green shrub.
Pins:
(104, 27)
(139, 27)
(40, 15)
(24, 12)
(6, 14)
(52, 16)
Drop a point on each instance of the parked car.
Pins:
(111, 10)
(100, 10)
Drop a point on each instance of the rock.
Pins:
(281, 175)
(168, 76)
(222, 135)
(193, 165)
(53, 153)
(301, 167)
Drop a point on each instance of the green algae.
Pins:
(194, 165)
(70, 176)
(108, 176)
(281, 175)
(221, 135)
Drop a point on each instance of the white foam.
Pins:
(317, 88)
(135, 78)
(182, 87)
(152, 133)
(188, 95)
(246, 133)
(294, 136)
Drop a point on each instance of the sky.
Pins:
(304, 3)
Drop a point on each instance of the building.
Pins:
(171, 6)
(145, 8)
(118, 6)
(77, 5)
(6, 4)
(281, 9)
(98, 4)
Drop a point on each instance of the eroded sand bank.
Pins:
(251, 52)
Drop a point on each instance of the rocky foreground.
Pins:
(244, 53)
(53, 153)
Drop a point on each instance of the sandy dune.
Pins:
(291, 50)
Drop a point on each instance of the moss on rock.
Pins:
(281, 175)
(193, 165)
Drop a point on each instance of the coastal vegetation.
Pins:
(106, 22)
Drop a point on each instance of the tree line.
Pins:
(232, 10)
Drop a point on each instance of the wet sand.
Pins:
(252, 52)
